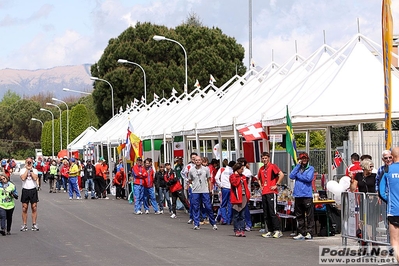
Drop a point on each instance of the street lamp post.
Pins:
(38, 120)
(163, 38)
(82, 92)
(51, 104)
(52, 128)
(112, 92)
(67, 125)
(145, 79)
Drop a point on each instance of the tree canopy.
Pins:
(209, 52)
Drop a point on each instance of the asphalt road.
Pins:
(106, 232)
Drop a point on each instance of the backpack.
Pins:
(3, 162)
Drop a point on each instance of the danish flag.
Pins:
(252, 131)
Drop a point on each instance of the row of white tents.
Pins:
(329, 88)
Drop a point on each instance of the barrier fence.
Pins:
(363, 218)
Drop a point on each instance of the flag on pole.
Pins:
(252, 63)
(129, 155)
(142, 99)
(290, 144)
(212, 80)
(178, 146)
(387, 36)
(156, 97)
(253, 151)
(174, 91)
(197, 84)
(135, 101)
(121, 147)
(337, 160)
(157, 149)
(252, 131)
(137, 146)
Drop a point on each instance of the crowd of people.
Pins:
(195, 186)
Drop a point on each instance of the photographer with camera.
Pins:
(29, 177)
(7, 204)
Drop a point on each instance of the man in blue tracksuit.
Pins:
(304, 209)
(389, 191)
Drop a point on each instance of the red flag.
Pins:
(337, 160)
(252, 151)
(252, 131)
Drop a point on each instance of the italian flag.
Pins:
(157, 149)
(178, 146)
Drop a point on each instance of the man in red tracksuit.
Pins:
(149, 191)
(139, 174)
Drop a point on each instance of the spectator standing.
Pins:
(355, 166)
(198, 177)
(65, 174)
(239, 195)
(39, 165)
(29, 176)
(120, 183)
(52, 176)
(149, 192)
(74, 172)
(270, 176)
(175, 189)
(304, 210)
(186, 185)
(139, 174)
(223, 181)
(364, 181)
(89, 183)
(163, 190)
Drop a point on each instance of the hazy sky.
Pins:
(39, 34)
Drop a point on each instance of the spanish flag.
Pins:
(387, 36)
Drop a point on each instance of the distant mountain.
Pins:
(32, 82)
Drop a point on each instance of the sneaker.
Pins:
(277, 234)
(190, 221)
(308, 236)
(267, 235)
(262, 231)
(161, 212)
(206, 221)
(243, 234)
(158, 212)
(70, 198)
(202, 222)
(238, 234)
(299, 237)
(248, 229)
(147, 212)
(8, 233)
(78, 198)
(196, 228)
(173, 216)
(139, 212)
(34, 227)
(214, 227)
(105, 198)
(2, 232)
(86, 197)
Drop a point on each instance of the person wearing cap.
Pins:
(139, 174)
(304, 209)
(7, 203)
(73, 179)
(120, 182)
(29, 176)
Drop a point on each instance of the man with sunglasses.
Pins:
(304, 209)
(387, 159)
(29, 176)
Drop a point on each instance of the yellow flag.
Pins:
(387, 36)
(136, 145)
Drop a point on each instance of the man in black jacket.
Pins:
(162, 189)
